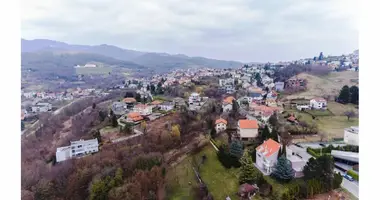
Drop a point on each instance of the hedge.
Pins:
(312, 152)
(353, 174)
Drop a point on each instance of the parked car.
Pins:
(348, 177)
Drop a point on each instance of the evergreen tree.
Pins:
(321, 169)
(265, 133)
(344, 95)
(247, 171)
(93, 105)
(320, 56)
(114, 121)
(22, 126)
(283, 170)
(354, 94)
(236, 149)
(213, 133)
(138, 97)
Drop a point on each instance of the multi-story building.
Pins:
(318, 103)
(351, 135)
(194, 98)
(247, 129)
(266, 155)
(77, 149)
(220, 125)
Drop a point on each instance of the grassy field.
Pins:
(325, 85)
(93, 70)
(220, 181)
(330, 123)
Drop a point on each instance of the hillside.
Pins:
(326, 85)
(160, 62)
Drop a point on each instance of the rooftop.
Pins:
(269, 147)
(229, 100)
(246, 123)
(221, 120)
(346, 155)
(129, 100)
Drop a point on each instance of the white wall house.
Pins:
(143, 109)
(220, 125)
(227, 104)
(77, 149)
(41, 107)
(166, 106)
(247, 129)
(351, 135)
(266, 155)
(194, 98)
(318, 103)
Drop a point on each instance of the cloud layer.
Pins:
(245, 30)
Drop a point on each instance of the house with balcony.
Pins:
(77, 149)
(220, 125)
(266, 156)
(143, 109)
(166, 106)
(194, 98)
(318, 103)
(247, 130)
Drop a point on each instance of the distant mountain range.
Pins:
(41, 52)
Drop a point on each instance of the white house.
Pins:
(299, 157)
(41, 107)
(266, 155)
(318, 103)
(247, 129)
(77, 149)
(166, 106)
(143, 109)
(194, 98)
(220, 125)
(227, 104)
(351, 135)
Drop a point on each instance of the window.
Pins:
(245, 139)
(73, 147)
(73, 151)
(79, 146)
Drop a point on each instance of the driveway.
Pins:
(137, 133)
(351, 186)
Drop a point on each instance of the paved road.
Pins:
(351, 186)
(137, 133)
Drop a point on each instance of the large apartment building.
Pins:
(77, 149)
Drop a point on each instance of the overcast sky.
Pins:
(243, 30)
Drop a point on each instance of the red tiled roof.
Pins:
(245, 123)
(221, 120)
(269, 147)
(291, 118)
(319, 99)
(135, 116)
(129, 100)
(156, 102)
(229, 99)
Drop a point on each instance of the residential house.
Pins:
(295, 82)
(119, 108)
(271, 102)
(129, 102)
(266, 155)
(143, 109)
(246, 191)
(194, 98)
(318, 103)
(41, 107)
(220, 125)
(167, 106)
(227, 104)
(351, 135)
(247, 129)
(77, 149)
(272, 95)
(299, 157)
(155, 103)
(256, 93)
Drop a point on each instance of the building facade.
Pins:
(77, 149)
(351, 135)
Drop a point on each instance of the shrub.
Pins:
(312, 152)
(353, 174)
(337, 180)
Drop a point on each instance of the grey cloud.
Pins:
(246, 30)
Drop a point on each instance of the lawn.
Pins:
(279, 187)
(339, 109)
(220, 181)
(334, 125)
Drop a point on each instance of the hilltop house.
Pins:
(220, 125)
(279, 86)
(41, 107)
(167, 106)
(266, 156)
(155, 103)
(227, 104)
(247, 129)
(129, 102)
(119, 108)
(77, 149)
(194, 98)
(318, 103)
(143, 109)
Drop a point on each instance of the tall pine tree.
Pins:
(236, 149)
(283, 170)
(354, 94)
(247, 171)
(344, 95)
